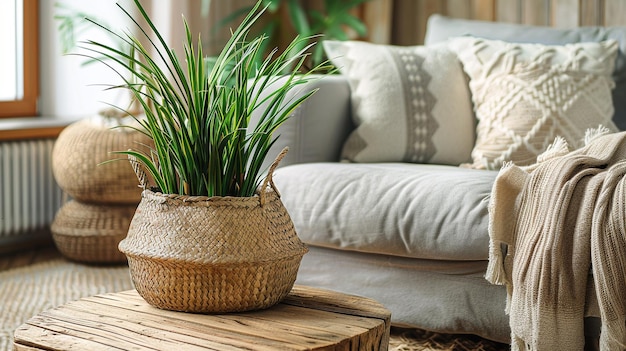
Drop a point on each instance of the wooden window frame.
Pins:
(27, 106)
(29, 133)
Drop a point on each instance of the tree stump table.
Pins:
(307, 319)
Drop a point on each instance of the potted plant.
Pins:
(210, 233)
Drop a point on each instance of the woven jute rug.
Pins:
(36, 281)
(28, 290)
(422, 340)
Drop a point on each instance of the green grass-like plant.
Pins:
(198, 113)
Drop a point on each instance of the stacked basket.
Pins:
(104, 193)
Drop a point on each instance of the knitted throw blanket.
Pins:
(550, 224)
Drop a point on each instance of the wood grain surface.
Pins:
(308, 319)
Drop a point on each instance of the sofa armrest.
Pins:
(315, 132)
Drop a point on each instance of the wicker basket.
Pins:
(80, 168)
(213, 254)
(91, 233)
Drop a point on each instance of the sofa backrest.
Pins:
(316, 130)
(440, 28)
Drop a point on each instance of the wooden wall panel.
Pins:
(509, 11)
(591, 12)
(458, 8)
(405, 22)
(556, 13)
(484, 10)
(377, 15)
(615, 13)
(536, 12)
(427, 8)
(565, 13)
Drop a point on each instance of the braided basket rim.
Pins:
(177, 198)
(197, 263)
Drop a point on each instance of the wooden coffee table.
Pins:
(308, 319)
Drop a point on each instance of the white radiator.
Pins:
(29, 194)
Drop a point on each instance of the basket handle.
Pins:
(143, 178)
(269, 179)
(139, 172)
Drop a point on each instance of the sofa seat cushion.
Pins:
(399, 209)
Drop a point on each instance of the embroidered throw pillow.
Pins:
(525, 95)
(409, 104)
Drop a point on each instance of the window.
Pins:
(19, 65)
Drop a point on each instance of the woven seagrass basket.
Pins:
(213, 254)
(91, 232)
(80, 164)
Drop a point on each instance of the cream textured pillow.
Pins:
(527, 94)
(409, 104)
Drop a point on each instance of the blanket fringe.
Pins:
(593, 133)
(518, 344)
(495, 268)
(613, 336)
(558, 148)
(496, 272)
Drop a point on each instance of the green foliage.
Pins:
(332, 21)
(198, 113)
(72, 21)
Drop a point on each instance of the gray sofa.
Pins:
(413, 236)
